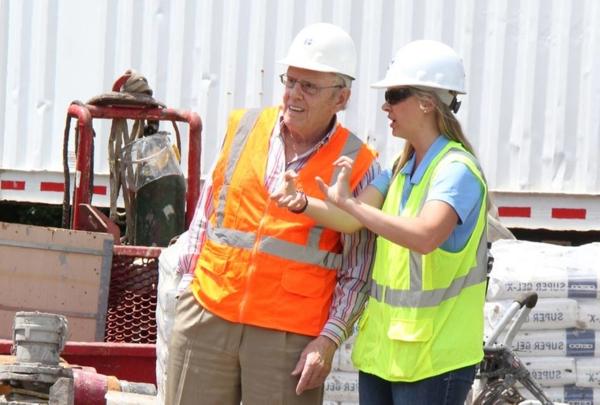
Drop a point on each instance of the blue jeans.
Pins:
(450, 388)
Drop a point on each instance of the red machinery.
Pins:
(86, 113)
(128, 351)
(36, 364)
(134, 273)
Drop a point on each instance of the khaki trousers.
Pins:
(216, 362)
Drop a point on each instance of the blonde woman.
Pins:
(420, 336)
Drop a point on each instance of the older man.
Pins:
(273, 294)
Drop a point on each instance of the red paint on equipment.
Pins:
(521, 212)
(126, 361)
(52, 186)
(12, 185)
(569, 213)
(101, 190)
(60, 187)
(89, 388)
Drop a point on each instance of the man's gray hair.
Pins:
(346, 80)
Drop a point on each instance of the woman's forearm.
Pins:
(330, 216)
(422, 234)
(334, 216)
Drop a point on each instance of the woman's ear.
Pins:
(426, 105)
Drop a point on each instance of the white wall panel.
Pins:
(533, 73)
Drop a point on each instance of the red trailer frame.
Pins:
(85, 114)
(134, 271)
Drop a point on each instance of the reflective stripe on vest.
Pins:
(416, 298)
(239, 141)
(280, 248)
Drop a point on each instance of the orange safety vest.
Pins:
(260, 264)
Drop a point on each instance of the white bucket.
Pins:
(39, 337)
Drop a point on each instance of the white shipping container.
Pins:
(533, 78)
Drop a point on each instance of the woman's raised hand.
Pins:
(339, 191)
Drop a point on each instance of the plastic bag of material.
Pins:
(166, 301)
(551, 271)
(549, 313)
(588, 316)
(588, 373)
(148, 159)
(562, 343)
(551, 371)
(569, 394)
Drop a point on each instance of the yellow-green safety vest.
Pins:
(425, 313)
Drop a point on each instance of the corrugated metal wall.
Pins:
(533, 70)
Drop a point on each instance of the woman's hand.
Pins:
(339, 191)
(325, 212)
(288, 196)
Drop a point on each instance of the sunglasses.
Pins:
(397, 95)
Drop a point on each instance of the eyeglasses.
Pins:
(397, 95)
(306, 86)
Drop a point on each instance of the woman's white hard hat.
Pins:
(425, 63)
(323, 47)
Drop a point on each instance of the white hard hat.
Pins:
(324, 48)
(425, 63)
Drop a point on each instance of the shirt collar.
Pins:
(318, 145)
(437, 145)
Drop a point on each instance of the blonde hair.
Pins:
(447, 124)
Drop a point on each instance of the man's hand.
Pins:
(288, 196)
(314, 364)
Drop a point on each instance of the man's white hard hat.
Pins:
(323, 47)
(425, 63)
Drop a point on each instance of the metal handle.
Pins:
(528, 299)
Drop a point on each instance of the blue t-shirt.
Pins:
(456, 185)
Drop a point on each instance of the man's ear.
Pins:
(341, 98)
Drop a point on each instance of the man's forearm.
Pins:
(352, 290)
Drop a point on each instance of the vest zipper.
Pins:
(252, 263)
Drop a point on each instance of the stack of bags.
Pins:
(166, 302)
(341, 386)
(560, 341)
